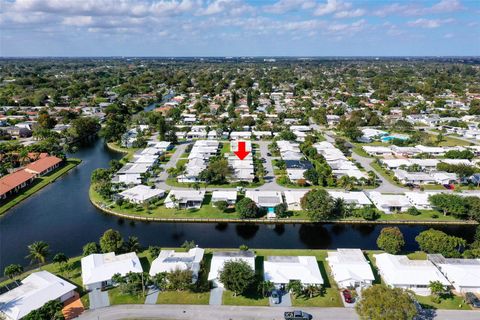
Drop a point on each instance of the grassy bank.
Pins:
(39, 183)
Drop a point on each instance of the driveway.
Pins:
(285, 301)
(216, 295)
(152, 296)
(98, 299)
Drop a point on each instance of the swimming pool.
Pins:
(390, 138)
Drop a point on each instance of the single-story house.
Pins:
(169, 260)
(163, 146)
(357, 198)
(463, 274)
(220, 257)
(399, 271)
(293, 199)
(185, 199)
(282, 269)
(98, 269)
(420, 200)
(230, 196)
(266, 199)
(350, 268)
(33, 292)
(377, 150)
(141, 194)
(43, 165)
(14, 182)
(389, 203)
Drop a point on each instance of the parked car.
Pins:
(449, 186)
(276, 296)
(347, 296)
(269, 154)
(297, 315)
(472, 299)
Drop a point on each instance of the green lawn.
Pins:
(248, 300)
(451, 303)
(225, 148)
(183, 297)
(424, 215)
(116, 297)
(453, 142)
(417, 255)
(39, 183)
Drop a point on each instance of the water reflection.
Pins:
(315, 236)
(246, 231)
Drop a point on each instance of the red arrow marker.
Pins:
(241, 152)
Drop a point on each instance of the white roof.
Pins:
(294, 196)
(36, 290)
(420, 198)
(169, 260)
(265, 198)
(350, 264)
(388, 200)
(462, 272)
(141, 193)
(182, 196)
(399, 270)
(356, 197)
(230, 195)
(377, 149)
(101, 267)
(220, 257)
(282, 269)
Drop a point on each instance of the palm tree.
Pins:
(39, 251)
(339, 207)
(372, 177)
(13, 270)
(266, 287)
(295, 287)
(60, 258)
(312, 290)
(133, 245)
(437, 289)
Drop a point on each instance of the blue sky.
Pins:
(239, 28)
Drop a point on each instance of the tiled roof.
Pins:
(43, 164)
(13, 180)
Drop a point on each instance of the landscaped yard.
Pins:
(117, 297)
(183, 297)
(247, 300)
(452, 302)
(39, 183)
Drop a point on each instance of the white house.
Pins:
(463, 274)
(141, 194)
(98, 269)
(230, 196)
(282, 269)
(266, 199)
(220, 257)
(420, 199)
(350, 268)
(401, 272)
(169, 260)
(33, 292)
(389, 203)
(293, 198)
(356, 198)
(185, 199)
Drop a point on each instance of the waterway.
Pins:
(61, 215)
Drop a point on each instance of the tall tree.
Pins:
(38, 251)
(391, 240)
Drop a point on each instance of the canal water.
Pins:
(61, 215)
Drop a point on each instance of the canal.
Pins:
(61, 215)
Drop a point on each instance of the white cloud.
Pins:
(284, 6)
(331, 6)
(350, 13)
(428, 23)
(414, 9)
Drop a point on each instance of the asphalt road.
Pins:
(191, 312)
(196, 312)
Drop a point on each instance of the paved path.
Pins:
(98, 299)
(216, 295)
(285, 301)
(152, 296)
(195, 312)
(190, 312)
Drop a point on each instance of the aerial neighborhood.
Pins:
(301, 184)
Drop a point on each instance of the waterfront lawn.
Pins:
(183, 297)
(40, 183)
(225, 148)
(117, 297)
(425, 215)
